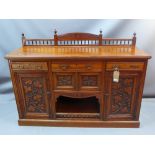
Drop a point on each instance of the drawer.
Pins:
(19, 66)
(125, 65)
(90, 66)
(63, 67)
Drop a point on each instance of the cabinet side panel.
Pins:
(140, 94)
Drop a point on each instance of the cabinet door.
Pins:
(64, 81)
(121, 97)
(33, 90)
(89, 81)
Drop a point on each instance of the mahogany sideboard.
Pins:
(78, 80)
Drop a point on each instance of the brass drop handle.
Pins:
(133, 66)
(38, 67)
(20, 66)
(116, 74)
(64, 66)
(88, 67)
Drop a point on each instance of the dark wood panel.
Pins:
(33, 94)
(64, 81)
(121, 97)
(89, 81)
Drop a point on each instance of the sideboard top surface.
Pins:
(73, 52)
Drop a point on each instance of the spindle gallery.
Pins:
(78, 80)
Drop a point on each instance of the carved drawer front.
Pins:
(29, 66)
(90, 66)
(64, 81)
(125, 65)
(63, 67)
(89, 81)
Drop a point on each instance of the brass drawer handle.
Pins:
(20, 66)
(134, 66)
(88, 67)
(64, 66)
(38, 67)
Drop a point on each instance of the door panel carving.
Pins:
(89, 81)
(64, 81)
(120, 97)
(34, 90)
(34, 94)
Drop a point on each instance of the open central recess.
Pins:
(77, 105)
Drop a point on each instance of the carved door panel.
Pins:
(64, 81)
(33, 92)
(89, 81)
(121, 97)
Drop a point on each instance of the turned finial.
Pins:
(55, 37)
(100, 37)
(101, 31)
(22, 34)
(134, 40)
(134, 34)
(55, 32)
(23, 39)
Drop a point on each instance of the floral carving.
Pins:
(29, 66)
(89, 80)
(34, 94)
(121, 96)
(64, 80)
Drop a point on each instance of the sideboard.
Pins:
(78, 80)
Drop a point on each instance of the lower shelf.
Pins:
(77, 105)
(78, 123)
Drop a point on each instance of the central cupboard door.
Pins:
(89, 75)
(78, 75)
(64, 74)
(64, 81)
(89, 81)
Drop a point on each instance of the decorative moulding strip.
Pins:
(29, 66)
(78, 115)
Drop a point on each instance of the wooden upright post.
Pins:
(100, 38)
(134, 40)
(55, 38)
(23, 39)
